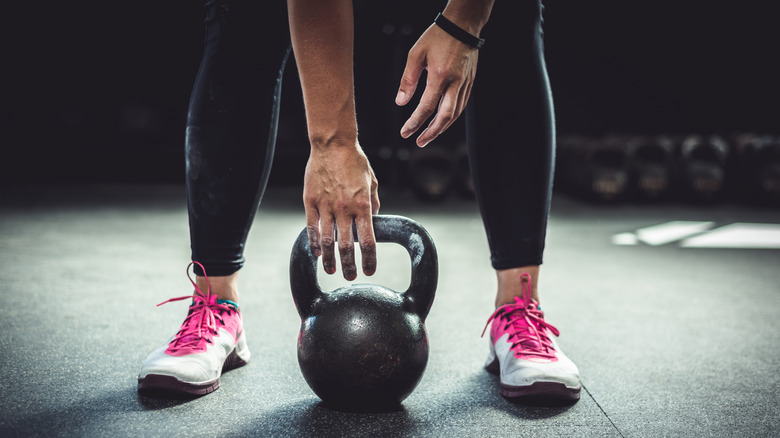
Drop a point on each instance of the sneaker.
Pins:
(211, 340)
(526, 356)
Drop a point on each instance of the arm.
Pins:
(339, 184)
(451, 67)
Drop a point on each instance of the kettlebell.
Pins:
(364, 346)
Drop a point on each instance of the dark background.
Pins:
(98, 91)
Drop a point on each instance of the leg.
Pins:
(511, 138)
(231, 132)
(510, 131)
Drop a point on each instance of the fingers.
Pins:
(412, 71)
(313, 230)
(365, 230)
(346, 247)
(327, 242)
(324, 243)
(426, 107)
(445, 95)
(445, 116)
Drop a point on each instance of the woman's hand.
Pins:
(451, 67)
(340, 188)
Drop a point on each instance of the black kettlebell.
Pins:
(364, 346)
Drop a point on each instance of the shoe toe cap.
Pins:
(528, 372)
(183, 368)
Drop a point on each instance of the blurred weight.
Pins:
(432, 172)
(701, 167)
(650, 166)
(595, 169)
(757, 169)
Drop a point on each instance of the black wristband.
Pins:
(458, 33)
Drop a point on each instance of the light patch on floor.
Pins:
(625, 239)
(671, 231)
(698, 234)
(738, 235)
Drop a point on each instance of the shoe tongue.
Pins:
(530, 342)
(189, 339)
(192, 324)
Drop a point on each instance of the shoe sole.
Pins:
(541, 391)
(154, 383)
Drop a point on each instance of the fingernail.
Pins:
(408, 128)
(425, 142)
(400, 98)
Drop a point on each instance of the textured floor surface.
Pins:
(670, 341)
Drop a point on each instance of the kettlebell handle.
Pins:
(411, 235)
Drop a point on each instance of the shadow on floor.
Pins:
(468, 398)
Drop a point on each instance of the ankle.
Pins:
(510, 283)
(224, 287)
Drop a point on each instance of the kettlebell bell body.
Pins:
(364, 346)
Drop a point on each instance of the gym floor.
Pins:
(672, 337)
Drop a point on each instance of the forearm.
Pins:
(470, 15)
(322, 38)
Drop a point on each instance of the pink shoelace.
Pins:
(201, 322)
(528, 332)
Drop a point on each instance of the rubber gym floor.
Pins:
(675, 328)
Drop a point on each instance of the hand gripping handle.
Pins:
(387, 228)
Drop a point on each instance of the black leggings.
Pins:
(234, 110)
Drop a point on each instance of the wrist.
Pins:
(332, 140)
(469, 16)
(332, 125)
(458, 32)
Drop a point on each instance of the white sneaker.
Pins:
(525, 355)
(211, 340)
